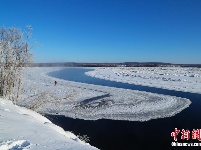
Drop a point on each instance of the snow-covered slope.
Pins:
(172, 78)
(23, 129)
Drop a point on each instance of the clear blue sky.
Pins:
(109, 30)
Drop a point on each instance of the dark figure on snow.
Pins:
(55, 83)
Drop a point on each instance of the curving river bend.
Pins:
(113, 135)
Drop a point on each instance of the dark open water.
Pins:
(129, 135)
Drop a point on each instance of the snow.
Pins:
(24, 129)
(92, 102)
(172, 78)
(15, 145)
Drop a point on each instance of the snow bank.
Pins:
(23, 129)
(92, 102)
(172, 78)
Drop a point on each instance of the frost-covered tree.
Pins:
(14, 55)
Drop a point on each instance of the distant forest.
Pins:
(124, 64)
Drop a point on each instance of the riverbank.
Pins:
(23, 129)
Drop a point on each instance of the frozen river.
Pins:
(114, 134)
(185, 79)
(78, 75)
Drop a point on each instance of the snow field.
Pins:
(172, 78)
(92, 102)
(24, 129)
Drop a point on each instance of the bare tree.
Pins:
(14, 55)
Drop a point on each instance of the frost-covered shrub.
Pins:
(14, 55)
(84, 138)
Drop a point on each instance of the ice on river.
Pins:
(172, 78)
(92, 102)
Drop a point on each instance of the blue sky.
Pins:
(109, 30)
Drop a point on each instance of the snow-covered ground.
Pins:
(172, 78)
(24, 129)
(92, 102)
